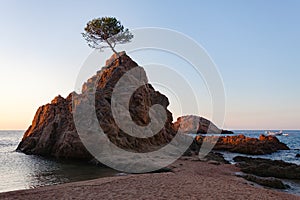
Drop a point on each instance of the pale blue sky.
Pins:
(255, 44)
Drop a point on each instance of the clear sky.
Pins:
(255, 44)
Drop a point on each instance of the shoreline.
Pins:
(190, 179)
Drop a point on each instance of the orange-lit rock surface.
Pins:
(243, 144)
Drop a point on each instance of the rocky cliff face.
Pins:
(54, 134)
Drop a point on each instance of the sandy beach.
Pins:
(190, 179)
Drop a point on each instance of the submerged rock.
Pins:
(268, 168)
(215, 156)
(266, 181)
(53, 132)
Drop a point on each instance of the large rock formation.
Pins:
(242, 144)
(268, 168)
(54, 134)
(197, 125)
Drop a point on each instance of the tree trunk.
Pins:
(112, 48)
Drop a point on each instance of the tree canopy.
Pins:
(106, 32)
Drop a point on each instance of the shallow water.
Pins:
(20, 171)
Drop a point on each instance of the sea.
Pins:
(21, 171)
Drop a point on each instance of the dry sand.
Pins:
(190, 180)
